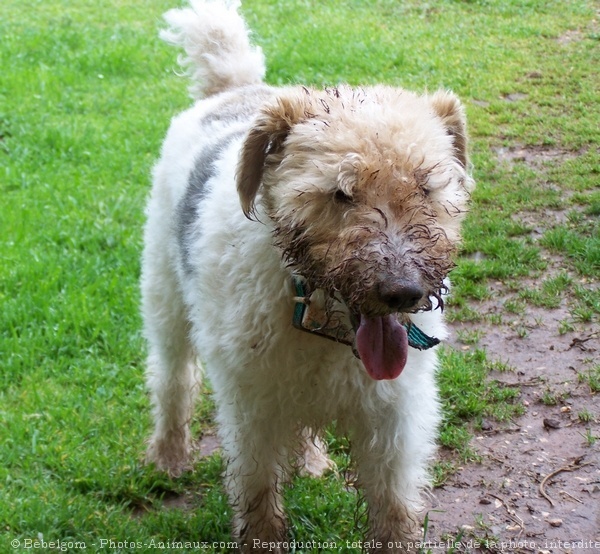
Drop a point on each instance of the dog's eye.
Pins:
(342, 197)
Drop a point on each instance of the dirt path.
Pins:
(537, 487)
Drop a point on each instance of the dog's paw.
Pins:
(170, 456)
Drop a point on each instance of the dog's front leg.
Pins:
(254, 476)
(391, 448)
(393, 526)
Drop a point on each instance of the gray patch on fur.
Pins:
(187, 210)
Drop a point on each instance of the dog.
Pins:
(297, 248)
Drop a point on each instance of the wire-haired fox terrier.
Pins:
(281, 218)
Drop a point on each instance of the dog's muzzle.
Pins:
(381, 342)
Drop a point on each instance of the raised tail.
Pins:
(218, 54)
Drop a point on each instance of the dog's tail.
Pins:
(218, 53)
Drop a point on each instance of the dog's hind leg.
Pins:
(312, 459)
(172, 375)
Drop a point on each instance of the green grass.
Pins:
(86, 94)
(469, 398)
(592, 378)
(550, 292)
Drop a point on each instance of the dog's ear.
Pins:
(266, 139)
(450, 110)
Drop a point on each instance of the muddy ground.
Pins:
(536, 487)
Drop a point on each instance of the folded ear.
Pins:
(266, 139)
(450, 110)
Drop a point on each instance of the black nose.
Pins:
(400, 295)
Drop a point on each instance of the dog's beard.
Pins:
(381, 339)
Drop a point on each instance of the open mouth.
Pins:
(381, 342)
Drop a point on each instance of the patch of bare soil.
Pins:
(534, 156)
(537, 485)
(573, 35)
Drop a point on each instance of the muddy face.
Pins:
(374, 238)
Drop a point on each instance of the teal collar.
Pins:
(334, 324)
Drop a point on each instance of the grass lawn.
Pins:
(86, 94)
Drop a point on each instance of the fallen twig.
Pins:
(580, 342)
(577, 464)
(503, 430)
(572, 497)
(531, 383)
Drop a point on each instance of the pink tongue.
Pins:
(382, 345)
